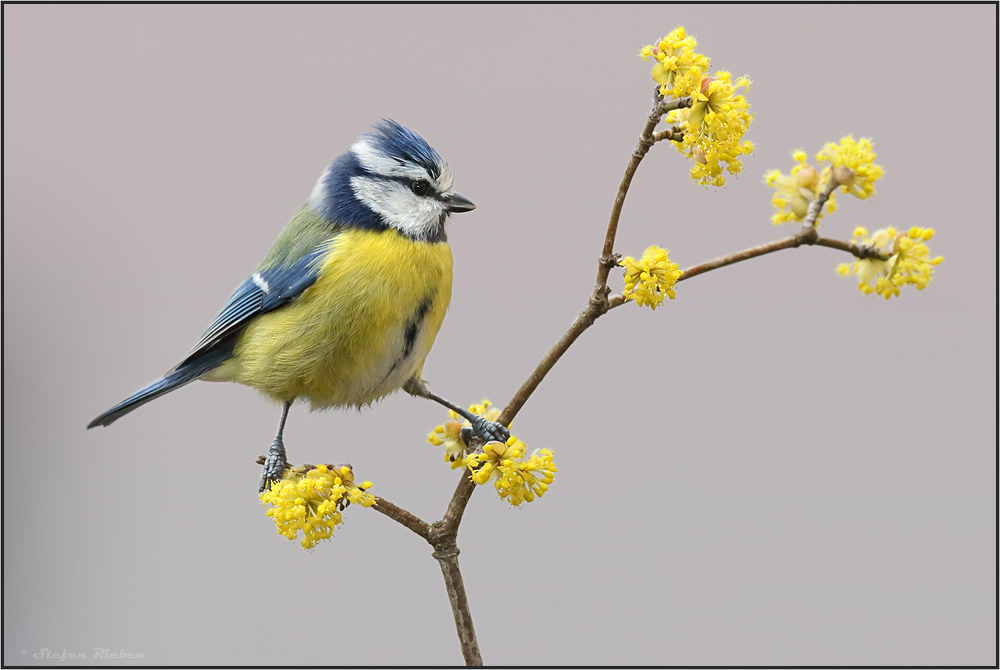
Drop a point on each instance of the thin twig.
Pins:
(806, 236)
(673, 133)
(858, 250)
(595, 309)
(816, 206)
(641, 149)
(401, 516)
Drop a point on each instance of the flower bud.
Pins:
(807, 177)
(844, 175)
(800, 206)
(699, 155)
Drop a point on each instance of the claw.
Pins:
(489, 431)
(274, 464)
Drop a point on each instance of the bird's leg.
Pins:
(275, 462)
(483, 428)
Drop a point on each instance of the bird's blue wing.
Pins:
(262, 292)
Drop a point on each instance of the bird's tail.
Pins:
(181, 376)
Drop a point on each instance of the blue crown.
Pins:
(402, 143)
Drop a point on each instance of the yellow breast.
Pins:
(357, 334)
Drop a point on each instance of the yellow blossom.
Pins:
(853, 165)
(714, 127)
(449, 435)
(311, 499)
(910, 261)
(793, 193)
(677, 68)
(517, 479)
(651, 278)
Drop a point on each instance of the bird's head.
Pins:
(390, 178)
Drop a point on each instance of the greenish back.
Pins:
(304, 232)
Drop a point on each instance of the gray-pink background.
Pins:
(772, 469)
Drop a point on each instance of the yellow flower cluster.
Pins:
(910, 262)
(853, 165)
(715, 124)
(311, 499)
(449, 435)
(795, 192)
(714, 127)
(516, 478)
(651, 278)
(678, 69)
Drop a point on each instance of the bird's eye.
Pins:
(421, 187)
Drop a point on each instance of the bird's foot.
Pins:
(274, 464)
(488, 431)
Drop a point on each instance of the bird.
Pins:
(345, 307)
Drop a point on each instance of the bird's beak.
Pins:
(453, 202)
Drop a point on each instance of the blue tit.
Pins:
(344, 308)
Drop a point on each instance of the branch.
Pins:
(808, 235)
(673, 133)
(401, 516)
(598, 303)
(858, 250)
(816, 206)
(447, 528)
(645, 142)
(447, 558)
(595, 308)
(442, 535)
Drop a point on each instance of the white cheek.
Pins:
(400, 207)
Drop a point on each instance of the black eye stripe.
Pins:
(421, 187)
